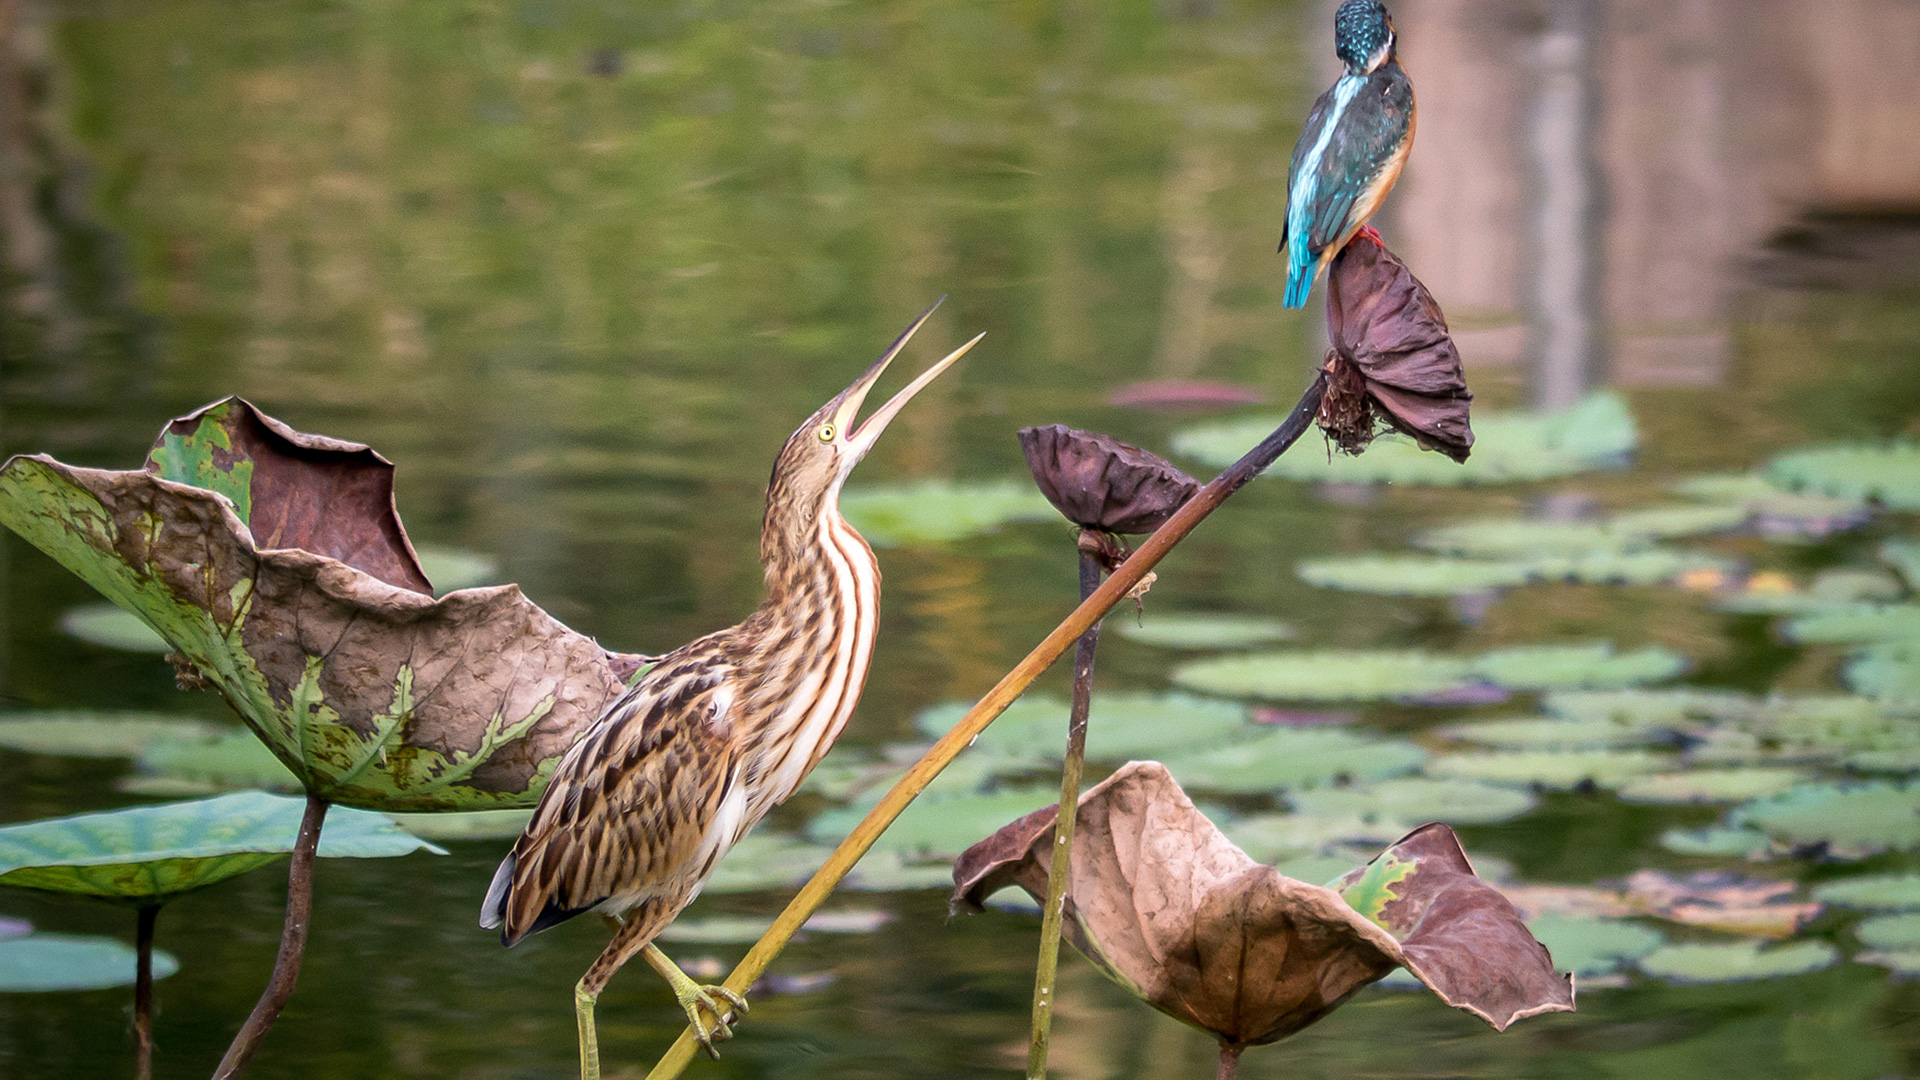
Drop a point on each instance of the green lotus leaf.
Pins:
(1859, 623)
(1524, 538)
(1718, 842)
(1600, 732)
(1711, 785)
(1597, 432)
(717, 930)
(112, 628)
(1903, 760)
(1293, 758)
(1904, 963)
(1197, 631)
(1275, 838)
(763, 861)
(1413, 575)
(1326, 675)
(937, 511)
(1889, 672)
(79, 733)
(150, 854)
(931, 827)
(1310, 868)
(1904, 556)
(1736, 961)
(1834, 719)
(1554, 771)
(1842, 584)
(227, 762)
(887, 871)
(1120, 726)
(1889, 932)
(1776, 510)
(1854, 817)
(1676, 520)
(1589, 946)
(40, 963)
(1572, 667)
(1649, 567)
(1889, 473)
(465, 824)
(324, 637)
(1872, 892)
(1415, 800)
(1649, 708)
(451, 569)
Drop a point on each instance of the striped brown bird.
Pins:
(717, 733)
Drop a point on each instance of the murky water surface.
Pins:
(579, 267)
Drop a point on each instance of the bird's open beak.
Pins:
(861, 440)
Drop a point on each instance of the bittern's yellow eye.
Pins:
(826, 432)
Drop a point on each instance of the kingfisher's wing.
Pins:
(1309, 133)
(634, 810)
(1368, 145)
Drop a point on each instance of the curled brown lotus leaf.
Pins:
(1101, 483)
(1393, 361)
(1165, 905)
(373, 692)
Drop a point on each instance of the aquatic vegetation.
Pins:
(81, 733)
(1872, 892)
(1359, 675)
(1888, 473)
(1736, 961)
(39, 963)
(1587, 946)
(112, 628)
(1413, 800)
(1712, 785)
(1290, 758)
(939, 511)
(1193, 630)
(1852, 818)
(1551, 770)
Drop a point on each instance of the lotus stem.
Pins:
(293, 945)
(1229, 1060)
(988, 708)
(1057, 877)
(143, 992)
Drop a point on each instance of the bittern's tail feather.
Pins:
(493, 910)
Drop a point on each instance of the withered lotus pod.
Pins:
(1392, 361)
(275, 565)
(1101, 483)
(1169, 908)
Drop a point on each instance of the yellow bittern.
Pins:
(717, 733)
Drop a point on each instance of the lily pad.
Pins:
(1854, 817)
(237, 759)
(1649, 567)
(1889, 672)
(451, 569)
(1120, 726)
(1736, 961)
(1597, 432)
(763, 861)
(1588, 947)
(108, 626)
(716, 930)
(1903, 963)
(1413, 575)
(1889, 473)
(938, 511)
(1904, 556)
(1889, 932)
(1523, 538)
(40, 963)
(1278, 838)
(1293, 758)
(1573, 667)
(1718, 842)
(1553, 771)
(1711, 785)
(1599, 732)
(78, 733)
(1326, 675)
(1873, 892)
(1860, 623)
(149, 854)
(942, 827)
(1415, 800)
(1196, 631)
(465, 824)
(1649, 708)
(886, 871)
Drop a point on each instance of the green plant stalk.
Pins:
(293, 945)
(143, 992)
(988, 708)
(1061, 869)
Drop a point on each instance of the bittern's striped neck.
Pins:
(809, 645)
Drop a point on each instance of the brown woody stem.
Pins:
(293, 945)
(1229, 1060)
(1011, 686)
(1060, 872)
(143, 992)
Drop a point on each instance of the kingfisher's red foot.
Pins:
(1372, 234)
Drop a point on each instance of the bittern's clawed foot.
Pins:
(693, 998)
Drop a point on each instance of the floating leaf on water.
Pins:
(40, 963)
(763, 861)
(1416, 800)
(1325, 675)
(1197, 631)
(1736, 961)
(465, 824)
(153, 853)
(1292, 758)
(451, 569)
(1571, 667)
(1842, 584)
(1649, 708)
(1721, 900)
(237, 759)
(1276, 838)
(1862, 623)
(1677, 520)
(937, 511)
(1904, 556)
(1412, 575)
(745, 929)
(1889, 473)
(1120, 726)
(1317, 869)
(1872, 892)
(1889, 672)
(1903, 760)
(1597, 432)
(1554, 771)
(1587, 946)
(937, 826)
(1711, 785)
(1650, 567)
(1903, 963)
(113, 628)
(1596, 732)
(886, 871)
(1777, 512)
(1887, 932)
(1523, 538)
(1718, 842)
(1854, 817)
(79, 733)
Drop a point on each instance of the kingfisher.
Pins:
(1351, 152)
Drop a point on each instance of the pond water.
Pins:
(578, 268)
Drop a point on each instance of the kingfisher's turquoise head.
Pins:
(1363, 35)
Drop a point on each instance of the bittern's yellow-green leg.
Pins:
(718, 732)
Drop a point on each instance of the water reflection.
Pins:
(579, 267)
